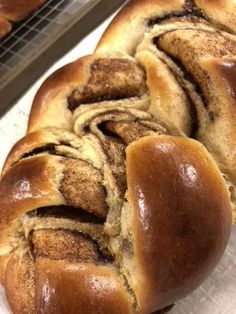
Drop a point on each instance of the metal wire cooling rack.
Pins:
(26, 36)
(34, 44)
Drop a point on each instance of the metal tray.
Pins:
(34, 44)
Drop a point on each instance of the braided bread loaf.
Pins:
(111, 203)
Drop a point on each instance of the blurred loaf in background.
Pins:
(15, 11)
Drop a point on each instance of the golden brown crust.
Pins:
(222, 75)
(181, 217)
(56, 245)
(227, 70)
(88, 80)
(50, 105)
(28, 144)
(20, 282)
(3, 264)
(220, 11)
(51, 141)
(30, 180)
(30, 184)
(45, 181)
(5, 27)
(167, 101)
(132, 20)
(64, 287)
(111, 78)
(218, 133)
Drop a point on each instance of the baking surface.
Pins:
(218, 294)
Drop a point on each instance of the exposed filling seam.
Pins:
(51, 149)
(177, 15)
(181, 25)
(100, 126)
(112, 135)
(210, 30)
(189, 10)
(65, 212)
(116, 207)
(158, 127)
(136, 102)
(186, 82)
(72, 105)
(87, 236)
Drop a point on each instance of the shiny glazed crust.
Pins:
(120, 197)
(177, 168)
